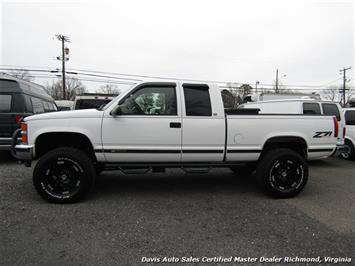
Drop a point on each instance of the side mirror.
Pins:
(116, 111)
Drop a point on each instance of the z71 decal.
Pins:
(323, 134)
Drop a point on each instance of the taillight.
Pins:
(336, 127)
(24, 133)
(18, 119)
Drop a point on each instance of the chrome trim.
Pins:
(23, 152)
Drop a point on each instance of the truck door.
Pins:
(203, 124)
(147, 127)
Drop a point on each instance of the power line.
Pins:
(67, 72)
(90, 73)
(84, 79)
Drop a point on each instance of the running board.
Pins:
(130, 170)
(196, 170)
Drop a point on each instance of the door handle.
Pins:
(175, 124)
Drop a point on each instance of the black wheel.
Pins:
(64, 175)
(243, 170)
(283, 173)
(350, 154)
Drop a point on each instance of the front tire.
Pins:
(282, 173)
(64, 175)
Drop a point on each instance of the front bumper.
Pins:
(20, 151)
(23, 152)
(340, 149)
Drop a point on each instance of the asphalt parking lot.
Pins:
(176, 214)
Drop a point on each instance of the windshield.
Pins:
(108, 104)
(90, 103)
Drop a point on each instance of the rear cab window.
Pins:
(350, 118)
(197, 100)
(311, 109)
(331, 109)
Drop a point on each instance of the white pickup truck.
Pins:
(159, 125)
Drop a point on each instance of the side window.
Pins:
(28, 104)
(350, 118)
(46, 106)
(18, 105)
(150, 101)
(37, 105)
(5, 103)
(197, 100)
(331, 109)
(311, 109)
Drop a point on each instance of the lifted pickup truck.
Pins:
(158, 125)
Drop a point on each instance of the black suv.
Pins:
(18, 99)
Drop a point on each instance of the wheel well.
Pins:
(296, 144)
(349, 141)
(49, 141)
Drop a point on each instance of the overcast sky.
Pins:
(241, 41)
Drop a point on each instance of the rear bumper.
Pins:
(339, 150)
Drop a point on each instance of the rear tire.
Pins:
(283, 173)
(64, 175)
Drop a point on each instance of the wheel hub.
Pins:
(62, 178)
(286, 175)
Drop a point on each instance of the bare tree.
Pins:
(109, 89)
(230, 100)
(73, 87)
(350, 99)
(331, 93)
(244, 90)
(21, 74)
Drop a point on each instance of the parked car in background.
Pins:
(349, 114)
(18, 99)
(64, 105)
(92, 100)
(306, 107)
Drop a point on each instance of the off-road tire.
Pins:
(64, 175)
(282, 173)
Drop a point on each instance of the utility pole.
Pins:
(344, 83)
(63, 39)
(277, 81)
(256, 86)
